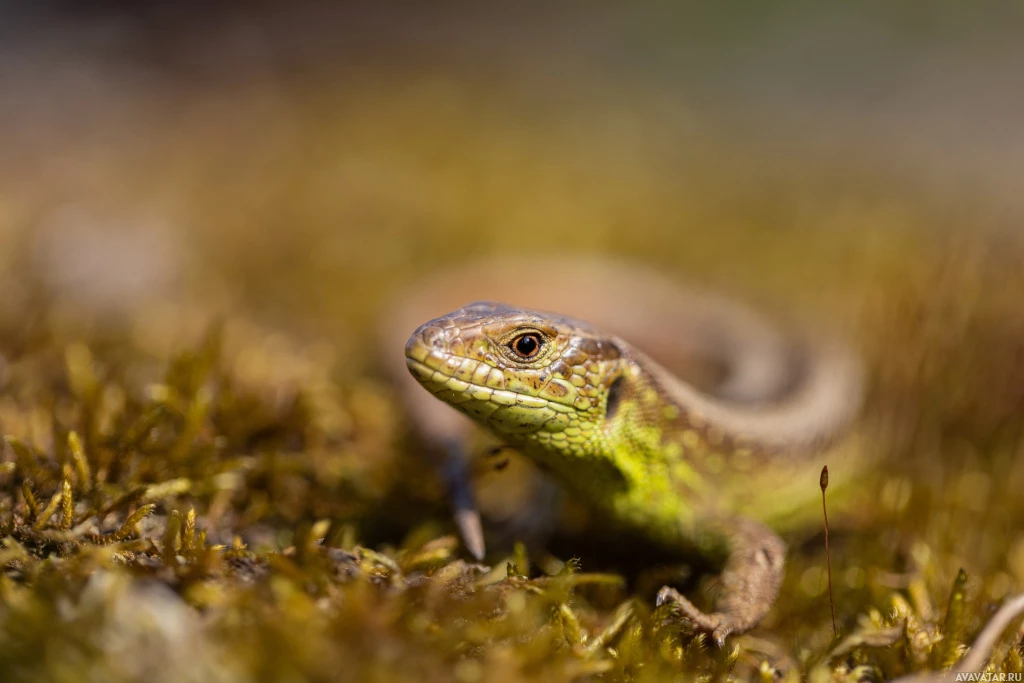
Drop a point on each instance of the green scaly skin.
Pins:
(607, 422)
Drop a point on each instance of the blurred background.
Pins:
(286, 168)
(285, 156)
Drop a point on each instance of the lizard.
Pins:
(697, 466)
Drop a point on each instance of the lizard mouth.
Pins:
(456, 391)
(507, 412)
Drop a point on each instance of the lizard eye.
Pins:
(526, 345)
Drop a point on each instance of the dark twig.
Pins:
(828, 556)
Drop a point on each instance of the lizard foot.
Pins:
(717, 625)
(749, 582)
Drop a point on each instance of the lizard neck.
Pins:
(649, 441)
(635, 461)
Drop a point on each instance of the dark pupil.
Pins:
(527, 345)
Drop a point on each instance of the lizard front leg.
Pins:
(750, 579)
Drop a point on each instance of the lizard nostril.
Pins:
(434, 337)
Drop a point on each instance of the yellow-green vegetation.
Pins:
(205, 477)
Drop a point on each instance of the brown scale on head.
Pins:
(528, 376)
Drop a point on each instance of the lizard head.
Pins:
(533, 378)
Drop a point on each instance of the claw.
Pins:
(455, 473)
(468, 523)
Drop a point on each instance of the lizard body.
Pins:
(646, 450)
